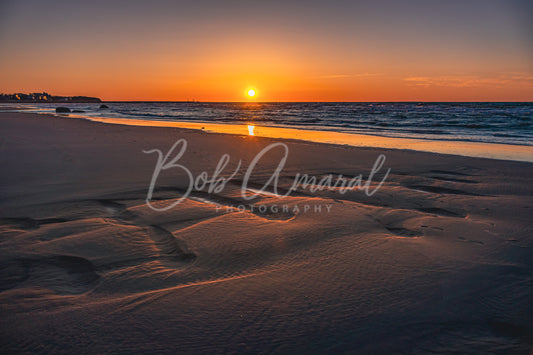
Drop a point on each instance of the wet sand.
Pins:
(438, 259)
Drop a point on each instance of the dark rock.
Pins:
(62, 110)
(83, 99)
(103, 107)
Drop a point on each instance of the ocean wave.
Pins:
(509, 123)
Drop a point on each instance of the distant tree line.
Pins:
(45, 97)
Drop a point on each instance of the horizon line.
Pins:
(314, 101)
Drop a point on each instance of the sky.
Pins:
(285, 50)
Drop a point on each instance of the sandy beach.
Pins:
(436, 259)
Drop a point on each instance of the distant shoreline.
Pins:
(44, 97)
(51, 102)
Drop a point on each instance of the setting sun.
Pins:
(251, 92)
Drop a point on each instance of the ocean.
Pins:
(489, 122)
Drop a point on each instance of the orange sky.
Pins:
(320, 52)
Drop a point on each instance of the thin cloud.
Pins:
(335, 76)
(340, 76)
(511, 79)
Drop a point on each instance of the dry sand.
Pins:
(438, 260)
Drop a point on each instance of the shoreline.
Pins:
(497, 151)
(500, 151)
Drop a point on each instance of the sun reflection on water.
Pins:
(251, 130)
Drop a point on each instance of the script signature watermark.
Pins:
(217, 181)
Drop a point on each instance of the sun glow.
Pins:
(251, 93)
